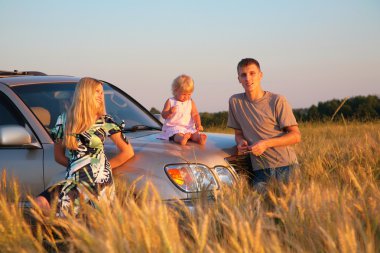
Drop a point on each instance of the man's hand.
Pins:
(242, 146)
(258, 148)
(292, 136)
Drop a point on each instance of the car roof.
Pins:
(26, 79)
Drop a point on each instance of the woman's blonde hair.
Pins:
(182, 83)
(83, 111)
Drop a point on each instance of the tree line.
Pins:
(361, 108)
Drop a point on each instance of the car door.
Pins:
(22, 162)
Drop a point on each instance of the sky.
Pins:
(309, 51)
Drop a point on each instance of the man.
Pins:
(264, 125)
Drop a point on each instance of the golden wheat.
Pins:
(331, 205)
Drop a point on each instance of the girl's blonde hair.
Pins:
(83, 111)
(182, 83)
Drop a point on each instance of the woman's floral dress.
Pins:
(89, 170)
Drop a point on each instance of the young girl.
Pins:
(182, 120)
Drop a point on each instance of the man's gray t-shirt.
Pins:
(263, 119)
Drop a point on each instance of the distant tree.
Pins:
(153, 110)
(346, 110)
(301, 114)
(327, 109)
(355, 108)
(313, 114)
(218, 119)
(366, 108)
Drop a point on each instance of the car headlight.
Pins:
(225, 176)
(191, 177)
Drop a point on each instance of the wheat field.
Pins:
(331, 205)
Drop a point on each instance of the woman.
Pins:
(82, 133)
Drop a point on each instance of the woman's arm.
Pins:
(168, 111)
(126, 151)
(59, 153)
(196, 117)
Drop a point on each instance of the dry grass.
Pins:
(332, 205)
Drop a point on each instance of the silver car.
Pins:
(30, 104)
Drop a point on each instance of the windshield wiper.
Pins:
(140, 128)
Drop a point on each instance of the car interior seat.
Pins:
(43, 115)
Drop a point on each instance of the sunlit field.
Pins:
(331, 205)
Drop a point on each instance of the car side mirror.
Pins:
(15, 135)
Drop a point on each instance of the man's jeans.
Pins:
(259, 178)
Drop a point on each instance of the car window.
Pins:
(53, 99)
(121, 107)
(9, 114)
(56, 99)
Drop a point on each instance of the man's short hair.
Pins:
(247, 61)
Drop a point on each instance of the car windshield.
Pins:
(55, 98)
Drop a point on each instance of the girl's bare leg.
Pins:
(199, 138)
(182, 138)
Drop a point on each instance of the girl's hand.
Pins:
(199, 128)
(173, 109)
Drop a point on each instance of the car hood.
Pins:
(152, 154)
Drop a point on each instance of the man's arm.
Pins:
(241, 142)
(292, 136)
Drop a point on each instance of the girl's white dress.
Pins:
(180, 122)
